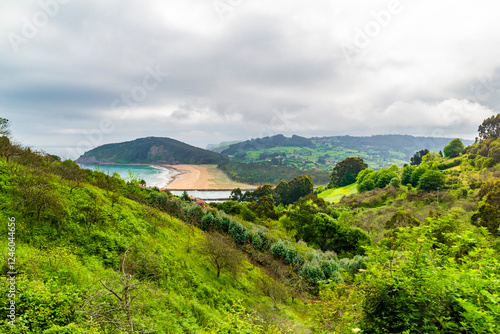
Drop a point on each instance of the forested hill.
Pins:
(149, 150)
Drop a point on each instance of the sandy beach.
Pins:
(201, 177)
(189, 177)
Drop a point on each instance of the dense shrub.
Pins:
(431, 180)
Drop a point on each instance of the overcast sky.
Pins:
(76, 74)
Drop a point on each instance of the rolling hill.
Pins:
(150, 150)
(322, 153)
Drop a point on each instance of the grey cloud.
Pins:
(267, 69)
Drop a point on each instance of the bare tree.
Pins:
(118, 303)
(222, 252)
(71, 172)
(92, 212)
(37, 195)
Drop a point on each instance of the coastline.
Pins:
(173, 175)
(185, 177)
(189, 177)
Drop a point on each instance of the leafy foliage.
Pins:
(454, 148)
(431, 180)
(490, 128)
(346, 171)
(417, 157)
(488, 214)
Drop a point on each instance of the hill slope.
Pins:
(150, 150)
(95, 254)
(321, 153)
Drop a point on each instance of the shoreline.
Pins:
(171, 178)
(188, 177)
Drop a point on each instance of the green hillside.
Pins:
(96, 254)
(405, 250)
(323, 153)
(151, 150)
(335, 194)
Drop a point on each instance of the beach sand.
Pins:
(202, 177)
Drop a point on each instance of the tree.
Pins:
(490, 128)
(38, 196)
(416, 174)
(300, 186)
(70, 171)
(383, 177)
(346, 171)
(236, 195)
(431, 160)
(4, 127)
(282, 193)
(454, 148)
(431, 180)
(417, 157)
(264, 208)
(221, 251)
(120, 306)
(406, 175)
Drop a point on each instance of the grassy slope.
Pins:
(60, 264)
(334, 195)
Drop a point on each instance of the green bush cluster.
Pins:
(421, 285)
(369, 179)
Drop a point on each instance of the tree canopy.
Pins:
(417, 157)
(346, 171)
(431, 180)
(454, 148)
(490, 128)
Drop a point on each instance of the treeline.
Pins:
(261, 173)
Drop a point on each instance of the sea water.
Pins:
(154, 176)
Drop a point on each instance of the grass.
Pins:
(334, 195)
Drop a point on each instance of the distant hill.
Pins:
(322, 153)
(267, 143)
(220, 147)
(150, 150)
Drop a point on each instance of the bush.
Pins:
(238, 232)
(431, 180)
(394, 182)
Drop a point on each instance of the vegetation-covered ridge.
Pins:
(150, 150)
(322, 153)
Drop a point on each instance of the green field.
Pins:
(307, 158)
(334, 195)
(322, 154)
